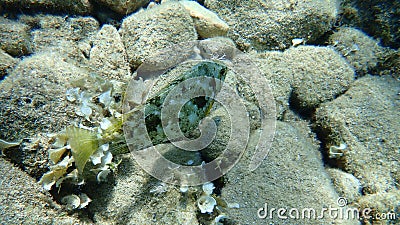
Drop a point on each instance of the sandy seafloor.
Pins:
(315, 92)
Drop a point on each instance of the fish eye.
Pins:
(222, 71)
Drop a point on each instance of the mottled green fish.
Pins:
(191, 111)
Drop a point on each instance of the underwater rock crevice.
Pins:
(302, 111)
(323, 136)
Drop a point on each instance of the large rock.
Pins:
(207, 23)
(378, 18)
(82, 7)
(304, 76)
(319, 75)
(7, 63)
(136, 198)
(381, 205)
(391, 65)
(292, 176)
(268, 25)
(57, 33)
(360, 50)
(124, 7)
(23, 202)
(151, 30)
(274, 67)
(365, 121)
(108, 55)
(32, 96)
(15, 38)
(346, 185)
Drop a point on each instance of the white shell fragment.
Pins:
(72, 94)
(71, 201)
(84, 200)
(56, 172)
(160, 188)
(297, 41)
(208, 188)
(233, 205)
(105, 124)
(105, 98)
(74, 201)
(102, 158)
(206, 204)
(102, 175)
(97, 156)
(217, 220)
(184, 189)
(136, 95)
(49, 179)
(190, 162)
(86, 110)
(73, 177)
(106, 159)
(337, 151)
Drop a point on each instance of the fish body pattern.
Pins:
(203, 82)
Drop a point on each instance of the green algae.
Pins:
(83, 144)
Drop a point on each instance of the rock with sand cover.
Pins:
(148, 31)
(361, 132)
(272, 25)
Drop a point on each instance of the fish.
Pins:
(205, 79)
(145, 125)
